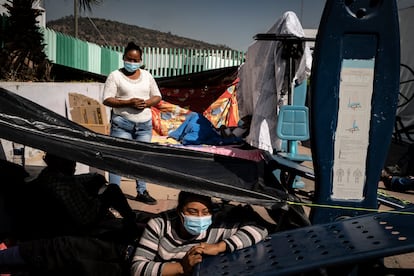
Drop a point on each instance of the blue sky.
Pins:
(227, 22)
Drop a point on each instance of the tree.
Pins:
(79, 5)
(22, 54)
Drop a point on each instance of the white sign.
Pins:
(352, 133)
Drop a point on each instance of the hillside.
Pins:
(114, 33)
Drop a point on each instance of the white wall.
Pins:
(53, 96)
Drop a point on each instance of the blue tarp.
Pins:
(198, 130)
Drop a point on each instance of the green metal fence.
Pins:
(160, 62)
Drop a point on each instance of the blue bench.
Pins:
(347, 242)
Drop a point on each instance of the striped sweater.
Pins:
(160, 243)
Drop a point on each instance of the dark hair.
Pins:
(185, 197)
(55, 161)
(132, 46)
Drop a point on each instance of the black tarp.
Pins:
(25, 122)
(209, 78)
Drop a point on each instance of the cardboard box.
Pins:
(85, 110)
(98, 128)
(89, 115)
(76, 99)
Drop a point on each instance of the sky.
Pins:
(226, 22)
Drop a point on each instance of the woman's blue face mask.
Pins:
(132, 66)
(196, 225)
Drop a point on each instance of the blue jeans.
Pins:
(123, 128)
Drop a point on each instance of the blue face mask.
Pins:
(196, 225)
(132, 66)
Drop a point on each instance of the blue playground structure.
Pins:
(356, 56)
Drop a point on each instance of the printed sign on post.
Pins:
(352, 133)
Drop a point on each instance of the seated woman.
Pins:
(60, 224)
(174, 242)
(64, 203)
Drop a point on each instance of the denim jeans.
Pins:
(123, 128)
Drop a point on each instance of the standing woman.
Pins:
(131, 92)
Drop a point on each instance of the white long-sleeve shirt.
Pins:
(119, 86)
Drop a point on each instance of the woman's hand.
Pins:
(214, 248)
(138, 103)
(192, 258)
(194, 255)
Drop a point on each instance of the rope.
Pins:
(349, 208)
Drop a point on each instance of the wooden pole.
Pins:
(75, 15)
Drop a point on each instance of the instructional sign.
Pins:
(352, 133)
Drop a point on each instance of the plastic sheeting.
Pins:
(262, 79)
(28, 123)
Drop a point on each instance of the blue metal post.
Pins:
(357, 57)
